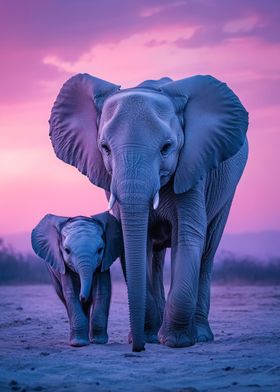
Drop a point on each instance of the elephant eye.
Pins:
(165, 149)
(67, 250)
(99, 251)
(105, 148)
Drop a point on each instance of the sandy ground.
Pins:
(35, 356)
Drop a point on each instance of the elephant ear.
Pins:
(73, 125)
(113, 238)
(45, 239)
(215, 125)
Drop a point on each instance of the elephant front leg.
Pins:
(78, 318)
(100, 308)
(178, 328)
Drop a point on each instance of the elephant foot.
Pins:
(79, 338)
(203, 332)
(176, 338)
(79, 342)
(99, 338)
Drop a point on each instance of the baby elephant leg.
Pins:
(79, 322)
(100, 307)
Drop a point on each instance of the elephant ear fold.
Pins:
(45, 239)
(73, 125)
(214, 122)
(113, 239)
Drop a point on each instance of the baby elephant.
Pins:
(79, 252)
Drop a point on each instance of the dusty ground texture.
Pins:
(35, 356)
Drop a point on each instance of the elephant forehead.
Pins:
(137, 104)
(82, 229)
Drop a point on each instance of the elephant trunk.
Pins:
(134, 226)
(134, 187)
(85, 272)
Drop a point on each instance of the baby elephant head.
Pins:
(82, 244)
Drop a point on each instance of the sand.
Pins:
(35, 355)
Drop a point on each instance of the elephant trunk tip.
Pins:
(138, 348)
(86, 276)
(83, 299)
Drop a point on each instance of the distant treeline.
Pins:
(16, 268)
(247, 270)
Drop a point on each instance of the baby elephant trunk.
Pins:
(85, 272)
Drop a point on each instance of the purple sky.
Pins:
(43, 43)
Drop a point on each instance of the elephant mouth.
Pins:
(165, 177)
(164, 173)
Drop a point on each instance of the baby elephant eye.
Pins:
(99, 251)
(67, 250)
(165, 149)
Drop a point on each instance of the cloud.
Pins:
(156, 53)
(242, 25)
(33, 31)
(147, 61)
(154, 10)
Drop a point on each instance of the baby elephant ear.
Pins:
(113, 239)
(45, 239)
(73, 125)
(215, 125)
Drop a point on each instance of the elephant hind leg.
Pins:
(214, 233)
(203, 330)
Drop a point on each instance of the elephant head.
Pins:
(82, 244)
(132, 142)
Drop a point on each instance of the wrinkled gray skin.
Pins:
(170, 154)
(79, 252)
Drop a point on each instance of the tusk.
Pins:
(156, 201)
(111, 201)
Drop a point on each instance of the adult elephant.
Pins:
(170, 153)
